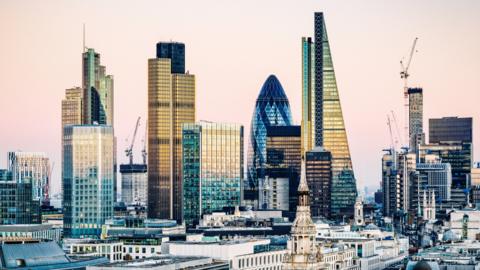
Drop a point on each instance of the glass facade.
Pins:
(134, 184)
(212, 168)
(318, 163)
(284, 160)
(308, 94)
(272, 109)
(415, 118)
(16, 203)
(88, 179)
(171, 103)
(450, 129)
(34, 168)
(324, 108)
(175, 52)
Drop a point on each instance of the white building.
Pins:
(30, 231)
(241, 254)
(274, 193)
(465, 223)
(134, 184)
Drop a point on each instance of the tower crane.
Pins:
(404, 74)
(129, 150)
(144, 150)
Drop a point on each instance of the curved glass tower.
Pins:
(271, 109)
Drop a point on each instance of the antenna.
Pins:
(84, 37)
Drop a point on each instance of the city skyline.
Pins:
(32, 127)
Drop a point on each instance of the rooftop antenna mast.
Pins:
(84, 47)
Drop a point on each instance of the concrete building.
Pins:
(30, 231)
(171, 102)
(134, 184)
(465, 223)
(88, 179)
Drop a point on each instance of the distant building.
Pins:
(171, 103)
(389, 182)
(88, 176)
(283, 161)
(134, 184)
(459, 155)
(318, 163)
(16, 203)
(415, 116)
(30, 231)
(34, 168)
(359, 220)
(166, 262)
(271, 109)
(449, 129)
(212, 168)
(430, 176)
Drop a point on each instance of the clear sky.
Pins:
(231, 47)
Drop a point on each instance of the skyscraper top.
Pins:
(272, 89)
(175, 51)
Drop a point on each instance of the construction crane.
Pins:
(129, 150)
(144, 150)
(404, 76)
(393, 143)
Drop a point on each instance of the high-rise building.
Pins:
(174, 51)
(449, 129)
(134, 184)
(212, 168)
(72, 107)
(171, 103)
(406, 164)
(88, 176)
(389, 182)
(415, 118)
(16, 203)
(318, 163)
(271, 109)
(98, 90)
(322, 118)
(34, 168)
(457, 154)
(284, 161)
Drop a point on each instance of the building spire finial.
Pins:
(84, 37)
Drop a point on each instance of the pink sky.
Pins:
(232, 46)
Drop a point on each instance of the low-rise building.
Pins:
(32, 231)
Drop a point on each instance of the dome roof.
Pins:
(371, 227)
(422, 265)
(272, 89)
(449, 236)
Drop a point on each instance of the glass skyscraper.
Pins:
(88, 179)
(322, 118)
(212, 168)
(174, 51)
(448, 129)
(171, 103)
(318, 164)
(415, 118)
(272, 109)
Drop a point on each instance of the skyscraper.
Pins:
(415, 117)
(171, 103)
(175, 52)
(34, 168)
(322, 118)
(271, 109)
(212, 168)
(88, 175)
(134, 184)
(318, 163)
(98, 90)
(448, 129)
(389, 182)
(72, 107)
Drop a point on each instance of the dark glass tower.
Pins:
(174, 51)
(318, 165)
(272, 109)
(448, 129)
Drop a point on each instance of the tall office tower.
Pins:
(212, 168)
(322, 118)
(449, 129)
(458, 154)
(302, 244)
(283, 149)
(32, 167)
(432, 176)
(415, 118)
(16, 203)
(389, 182)
(88, 176)
(474, 181)
(272, 109)
(171, 102)
(175, 52)
(98, 90)
(318, 163)
(134, 184)
(72, 107)
(406, 164)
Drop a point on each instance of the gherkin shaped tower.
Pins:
(272, 109)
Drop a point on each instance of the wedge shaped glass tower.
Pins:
(272, 109)
(322, 118)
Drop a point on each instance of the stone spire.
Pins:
(303, 249)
